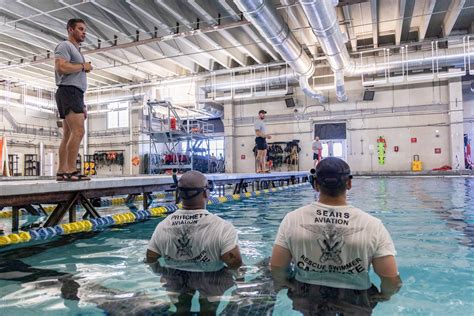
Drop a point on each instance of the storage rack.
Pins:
(31, 165)
(13, 164)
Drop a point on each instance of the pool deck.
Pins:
(427, 173)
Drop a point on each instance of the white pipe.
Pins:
(272, 27)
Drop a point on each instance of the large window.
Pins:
(117, 115)
(216, 146)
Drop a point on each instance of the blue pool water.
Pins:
(431, 221)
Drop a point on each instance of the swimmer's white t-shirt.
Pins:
(334, 245)
(193, 240)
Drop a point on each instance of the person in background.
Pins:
(196, 244)
(332, 245)
(70, 74)
(261, 142)
(317, 150)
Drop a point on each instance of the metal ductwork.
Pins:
(322, 17)
(272, 27)
(323, 20)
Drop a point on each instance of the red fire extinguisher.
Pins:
(173, 123)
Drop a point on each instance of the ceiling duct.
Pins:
(322, 17)
(272, 27)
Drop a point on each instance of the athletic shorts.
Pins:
(69, 98)
(261, 143)
(315, 156)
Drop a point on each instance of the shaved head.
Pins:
(193, 180)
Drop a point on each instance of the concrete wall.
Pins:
(429, 112)
(436, 113)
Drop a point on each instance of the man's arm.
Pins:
(386, 268)
(279, 264)
(151, 256)
(232, 258)
(64, 67)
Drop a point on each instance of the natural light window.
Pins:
(117, 115)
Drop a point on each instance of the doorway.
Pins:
(333, 139)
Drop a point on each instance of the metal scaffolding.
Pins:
(168, 131)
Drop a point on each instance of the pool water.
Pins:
(431, 221)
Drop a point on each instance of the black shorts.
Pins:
(69, 98)
(261, 143)
(315, 156)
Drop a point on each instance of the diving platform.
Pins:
(31, 194)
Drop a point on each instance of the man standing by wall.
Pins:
(70, 74)
(261, 142)
(317, 150)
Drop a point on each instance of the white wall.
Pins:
(398, 113)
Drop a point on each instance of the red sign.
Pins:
(413, 139)
(395, 149)
(437, 150)
(242, 157)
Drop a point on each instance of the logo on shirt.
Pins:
(331, 240)
(183, 239)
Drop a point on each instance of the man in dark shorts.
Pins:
(261, 142)
(70, 74)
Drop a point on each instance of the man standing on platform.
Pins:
(70, 74)
(317, 150)
(261, 142)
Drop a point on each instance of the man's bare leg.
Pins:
(76, 127)
(62, 166)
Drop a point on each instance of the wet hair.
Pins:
(72, 23)
(332, 174)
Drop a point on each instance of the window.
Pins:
(337, 150)
(216, 146)
(117, 116)
(325, 151)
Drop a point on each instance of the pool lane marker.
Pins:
(120, 219)
(103, 202)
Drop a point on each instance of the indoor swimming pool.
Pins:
(431, 221)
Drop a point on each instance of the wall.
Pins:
(399, 113)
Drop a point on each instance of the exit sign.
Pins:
(413, 139)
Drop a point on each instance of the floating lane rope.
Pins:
(103, 202)
(101, 223)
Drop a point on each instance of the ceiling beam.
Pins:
(226, 37)
(400, 19)
(375, 21)
(425, 19)
(250, 32)
(451, 16)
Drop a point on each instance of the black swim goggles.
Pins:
(185, 193)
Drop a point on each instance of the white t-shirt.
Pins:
(193, 240)
(334, 245)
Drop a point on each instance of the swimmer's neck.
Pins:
(333, 201)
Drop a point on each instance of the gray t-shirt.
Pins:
(67, 51)
(317, 146)
(260, 126)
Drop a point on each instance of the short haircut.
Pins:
(72, 23)
(332, 174)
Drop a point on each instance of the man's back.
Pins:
(334, 245)
(193, 240)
